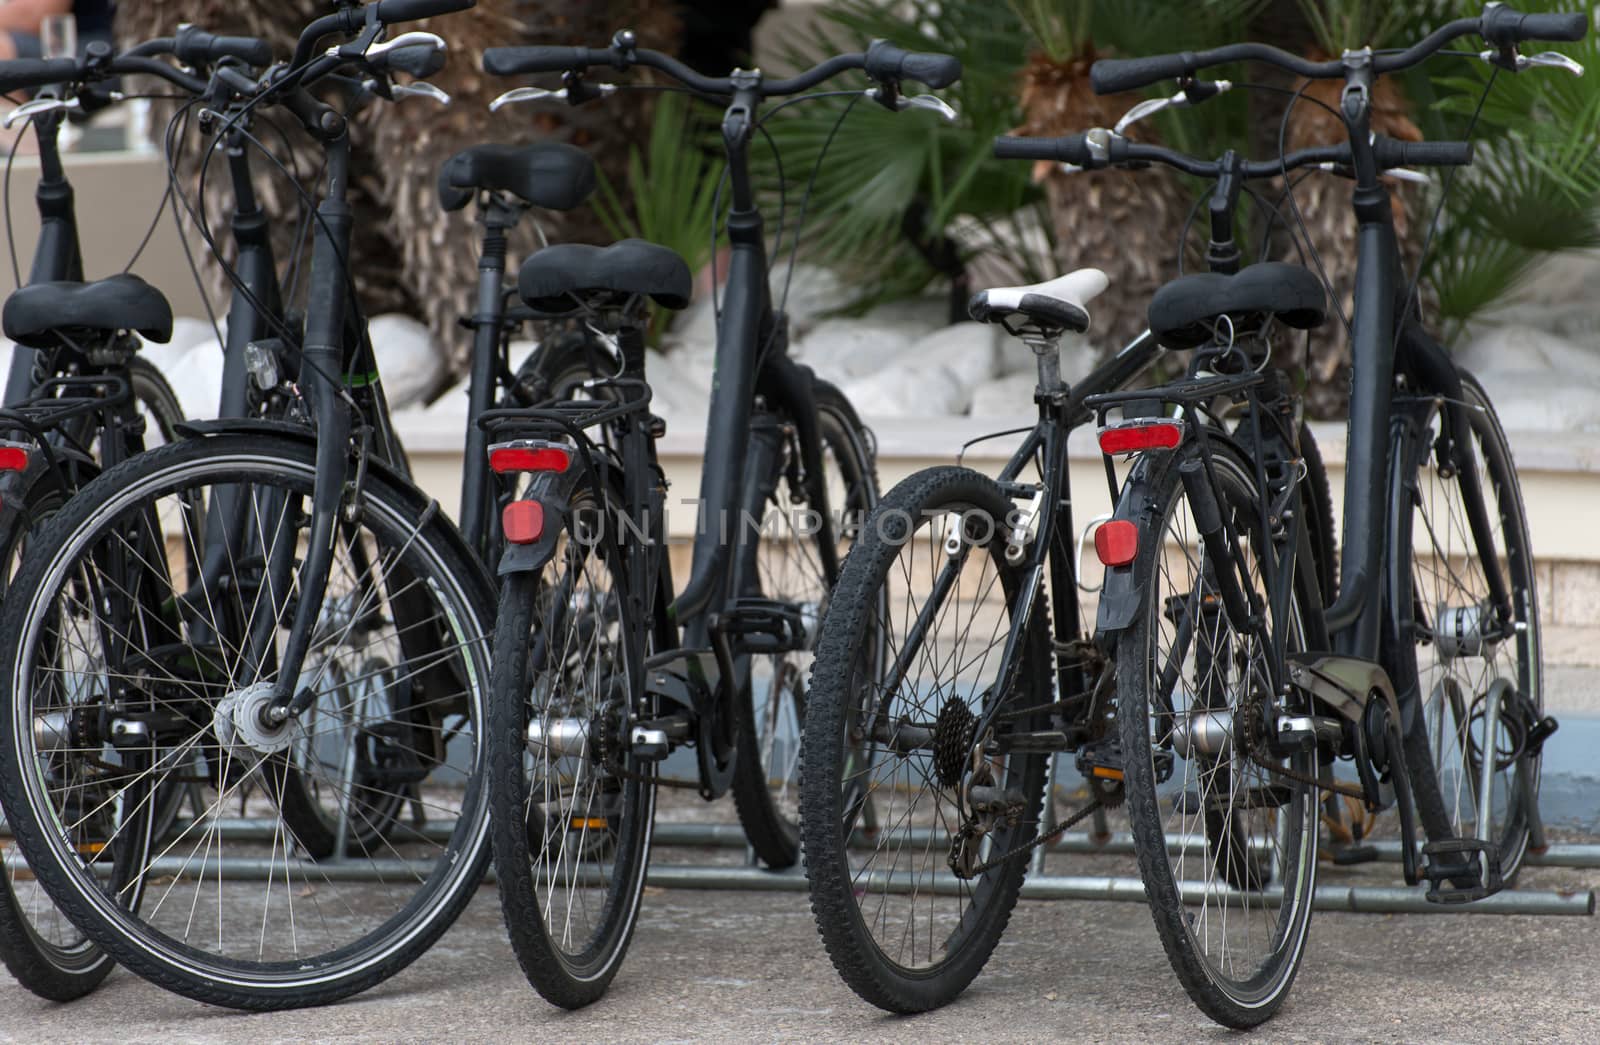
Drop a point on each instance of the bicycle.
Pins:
(293, 626)
(80, 401)
(599, 671)
(1232, 687)
(1216, 697)
(898, 783)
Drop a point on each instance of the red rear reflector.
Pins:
(13, 458)
(529, 459)
(523, 521)
(1152, 435)
(1117, 542)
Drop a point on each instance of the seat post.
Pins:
(1046, 347)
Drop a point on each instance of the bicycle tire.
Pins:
(766, 792)
(851, 654)
(385, 932)
(550, 846)
(1439, 752)
(1208, 817)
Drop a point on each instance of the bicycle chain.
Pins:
(1044, 839)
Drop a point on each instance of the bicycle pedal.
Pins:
(1461, 870)
(1350, 855)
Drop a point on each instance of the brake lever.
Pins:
(40, 105)
(1544, 59)
(930, 103)
(1397, 173)
(900, 102)
(538, 94)
(420, 89)
(1182, 100)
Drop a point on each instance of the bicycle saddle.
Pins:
(1184, 311)
(35, 315)
(1055, 305)
(546, 174)
(555, 278)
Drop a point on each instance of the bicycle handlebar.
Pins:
(1094, 152)
(882, 61)
(1499, 25)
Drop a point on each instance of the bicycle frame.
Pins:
(57, 255)
(751, 356)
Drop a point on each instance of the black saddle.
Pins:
(1183, 313)
(37, 314)
(546, 174)
(554, 278)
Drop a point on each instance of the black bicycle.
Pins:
(268, 611)
(1219, 689)
(599, 672)
(78, 400)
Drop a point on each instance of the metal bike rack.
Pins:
(1328, 896)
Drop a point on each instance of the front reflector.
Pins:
(1130, 437)
(13, 457)
(523, 521)
(513, 458)
(1117, 542)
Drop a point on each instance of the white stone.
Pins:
(1522, 349)
(411, 364)
(694, 329)
(917, 317)
(839, 349)
(968, 350)
(1528, 400)
(933, 391)
(1009, 397)
(196, 377)
(674, 394)
(813, 293)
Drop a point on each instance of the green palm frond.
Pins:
(671, 187)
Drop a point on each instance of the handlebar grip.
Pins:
(420, 60)
(1071, 149)
(1391, 153)
(885, 61)
(511, 61)
(194, 46)
(23, 73)
(1504, 26)
(1115, 75)
(391, 11)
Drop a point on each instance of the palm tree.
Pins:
(398, 151)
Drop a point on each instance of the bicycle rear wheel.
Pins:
(136, 667)
(911, 886)
(571, 806)
(1227, 842)
(1452, 660)
(790, 568)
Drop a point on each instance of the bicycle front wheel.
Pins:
(1226, 836)
(143, 631)
(1454, 656)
